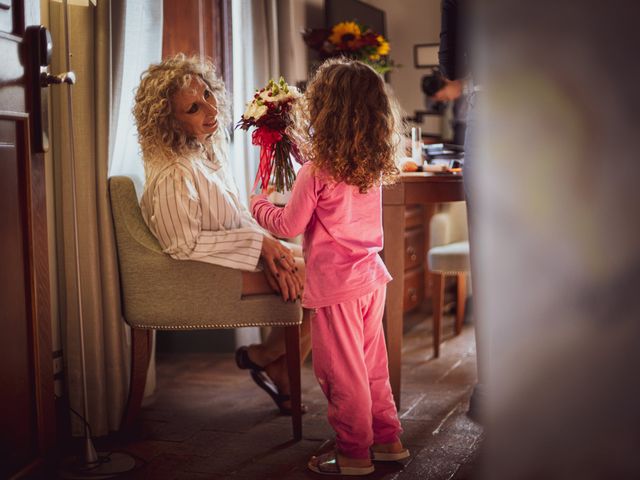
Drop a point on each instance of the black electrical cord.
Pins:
(106, 458)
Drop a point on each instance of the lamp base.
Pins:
(109, 465)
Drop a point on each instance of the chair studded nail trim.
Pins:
(147, 326)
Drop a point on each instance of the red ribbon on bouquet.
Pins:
(266, 139)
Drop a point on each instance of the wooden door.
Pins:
(27, 421)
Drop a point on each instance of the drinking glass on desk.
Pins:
(416, 145)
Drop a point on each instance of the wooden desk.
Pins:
(414, 188)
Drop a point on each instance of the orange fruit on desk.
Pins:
(409, 166)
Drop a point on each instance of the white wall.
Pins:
(411, 22)
(293, 17)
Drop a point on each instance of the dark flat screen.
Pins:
(354, 10)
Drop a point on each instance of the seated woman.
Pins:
(191, 202)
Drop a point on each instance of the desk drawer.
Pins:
(413, 294)
(413, 216)
(414, 253)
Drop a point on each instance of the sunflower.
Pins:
(383, 46)
(345, 32)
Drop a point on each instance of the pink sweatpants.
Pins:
(350, 363)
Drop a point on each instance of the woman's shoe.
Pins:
(244, 362)
(265, 383)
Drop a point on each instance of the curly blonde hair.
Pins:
(162, 138)
(349, 124)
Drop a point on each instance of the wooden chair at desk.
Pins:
(448, 255)
(160, 293)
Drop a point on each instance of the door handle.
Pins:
(39, 48)
(47, 79)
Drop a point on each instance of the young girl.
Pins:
(346, 130)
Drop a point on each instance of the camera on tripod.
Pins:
(432, 82)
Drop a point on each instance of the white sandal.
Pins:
(328, 465)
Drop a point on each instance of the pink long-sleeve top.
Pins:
(342, 235)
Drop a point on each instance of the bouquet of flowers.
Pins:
(270, 112)
(352, 40)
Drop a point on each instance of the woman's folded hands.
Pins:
(280, 269)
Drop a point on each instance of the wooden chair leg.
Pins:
(292, 342)
(460, 301)
(438, 305)
(141, 341)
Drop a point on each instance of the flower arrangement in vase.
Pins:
(350, 39)
(270, 113)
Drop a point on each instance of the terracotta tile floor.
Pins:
(208, 420)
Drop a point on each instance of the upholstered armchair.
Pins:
(160, 293)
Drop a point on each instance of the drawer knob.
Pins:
(413, 294)
(412, 253)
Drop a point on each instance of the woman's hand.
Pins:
(277, 257)
(287, 283)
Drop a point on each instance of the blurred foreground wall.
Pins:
(557, 189)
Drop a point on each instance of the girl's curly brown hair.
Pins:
(162, 138)
(349, 125)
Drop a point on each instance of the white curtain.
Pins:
(267, 43)
(137, 42)
(255, 60)
(99, 55)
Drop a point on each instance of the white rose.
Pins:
(294, 92)
(282, 96)
(248, 110)
(255, 111)
(265, 96)
(260, 110)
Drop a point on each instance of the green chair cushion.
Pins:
(159, 292)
